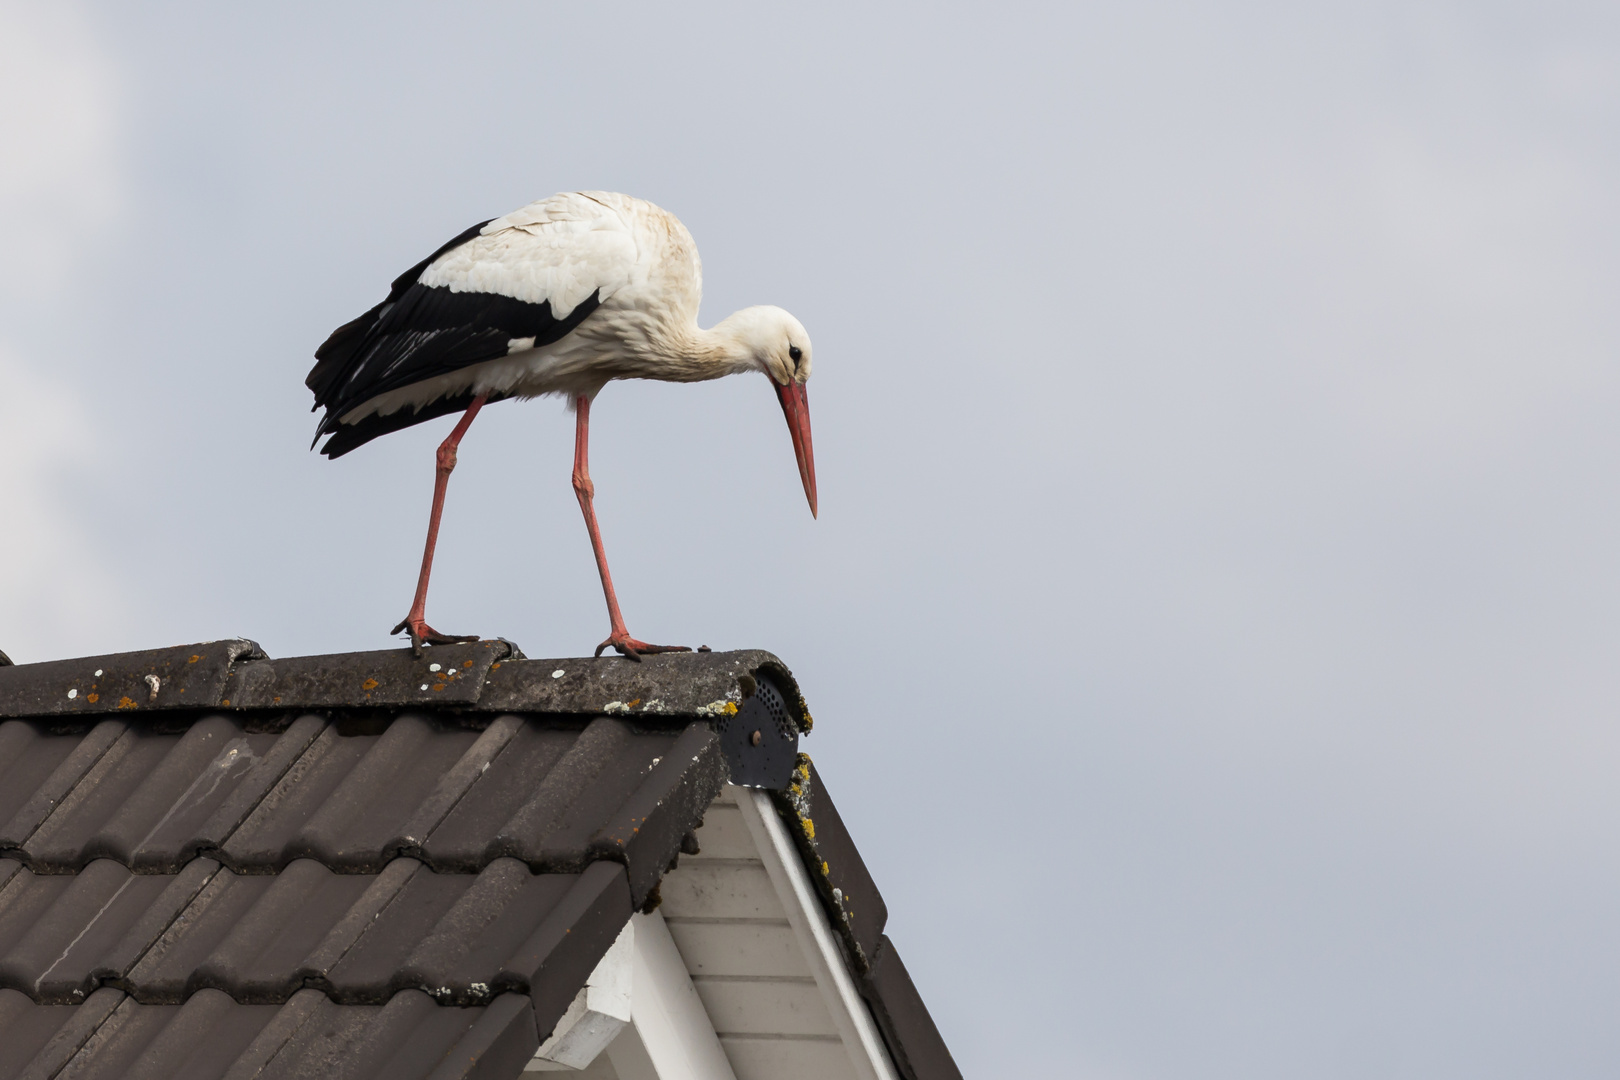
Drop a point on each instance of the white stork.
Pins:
(559, 297)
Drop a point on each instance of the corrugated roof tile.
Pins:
(212, 1037)
(70, 1028)
(64, 930)
(215, 866)
(472, 832)
(553, 826)
(37, 770)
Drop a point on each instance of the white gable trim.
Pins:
(867, 1053)
(668, 1014)
(762, 991)
(597, 1014)
(640, 1006)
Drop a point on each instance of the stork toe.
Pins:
(628, 646)
(423, 634)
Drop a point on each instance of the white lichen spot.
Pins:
(433, 667)
(424, 686)
(613, 708)
(717, 708)
(558, 673)
(655, 705)
(72, 694)
(98, 673)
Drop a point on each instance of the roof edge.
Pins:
(853, 905)
(489, 676)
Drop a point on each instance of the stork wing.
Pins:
(515, 282)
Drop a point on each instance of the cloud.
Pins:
(60, 185)
(1452, 244)
(54, 591)
(58, 179)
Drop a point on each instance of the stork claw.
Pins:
(423, 634)
(628, 646)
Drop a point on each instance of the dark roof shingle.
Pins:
(214, 864)
(277, 858)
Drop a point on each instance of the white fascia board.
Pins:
(640, 1006)
(868, 1055)
(597, 1014)
(669, 1016)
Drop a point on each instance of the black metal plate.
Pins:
(760, 740)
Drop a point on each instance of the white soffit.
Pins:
(737, 975)
(859, 1033)
(638, 1005)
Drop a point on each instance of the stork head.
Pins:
(776, 343)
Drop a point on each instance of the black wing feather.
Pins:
(433, 331)
(349, 436)
(420, 332)
(343, 343)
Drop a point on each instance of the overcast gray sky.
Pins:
(1212, 620)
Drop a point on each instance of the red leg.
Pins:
(445, 463)
(619, 637)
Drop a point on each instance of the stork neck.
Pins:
(712, 354)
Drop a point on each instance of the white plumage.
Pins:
(634, 261)
(560, 249)
(559, 297)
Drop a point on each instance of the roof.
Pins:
(216, 864)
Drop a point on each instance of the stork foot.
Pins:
(626, 645)
(423, 634)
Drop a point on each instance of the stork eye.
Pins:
(796, 353)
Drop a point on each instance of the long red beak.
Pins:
(796, 407)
